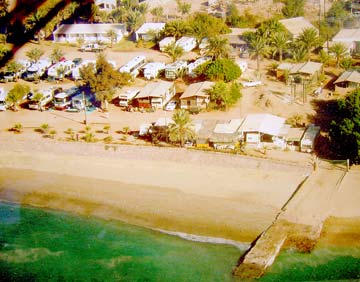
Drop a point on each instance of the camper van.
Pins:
(47, 97)
(80, 100)
(3, 95)
(127, 96)
(192, 66)
(187, 43)
(165, 43)
(61, 69)
(152, 70)
(36, 70)
(133, 66)
(173, 70)
(62, 100)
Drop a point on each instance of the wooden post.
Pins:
(347, 165)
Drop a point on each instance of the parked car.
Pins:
(171, 106)
(251, 83)
(92, 47)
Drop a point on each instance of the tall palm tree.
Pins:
(174, 51)
(158, 13)
(308, 39)
(134, 20)
(324, 57)
(339, 50)
(299, 53)
(111, 33)
(176, 28)
(258, 48)
(218, 47)
(182, 128)
(280, 42)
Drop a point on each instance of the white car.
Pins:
(171, 106)
(251, 83)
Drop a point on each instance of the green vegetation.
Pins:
(174, 51)
(182, 128)
(16, 95)
(293, 8)
(34, 54)
(345, 128)
(56, 54)
(218, 48)
(221, 69)
(223, 95)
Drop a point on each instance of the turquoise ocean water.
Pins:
(43, 245)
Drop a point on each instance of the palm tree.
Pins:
(218, 47)
(279, 42)
(182, 128)
(134, 20)
(258, 48)
(298, 53)
(176, 28)
(111, 33)
(324, 57)
(158, 13)
(308, 39)
(33, 21)
(339, 50)
(174, 51)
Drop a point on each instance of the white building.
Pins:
(88, 32)
(147, 30)
(152, 70)
(155, 95)
(61, 69)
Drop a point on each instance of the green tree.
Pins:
(157, 13)
(103, 80)
(218, 47)
(324, 57)
(294, 8)
(279, 43)
(182, 128)
(299, 53)
(57, 54)
(345, 128)
(174, 51)
(339, 50)
(221, 69)
(258, 49)
(309, 39)
(224, 95)
(16, 95)
(34, 21)
(15, 67)
(134, 20)
(176, 28)
(183, 7)
(111, 33)
(346, 63)
(34, 54)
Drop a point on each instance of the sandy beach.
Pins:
(210, 194)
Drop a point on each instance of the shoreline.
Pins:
(176, 190)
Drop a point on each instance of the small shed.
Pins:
(309, 70)
(155, 95)
(295, 26)
(226, 134)
(307, 142)
(347, 81)
(196, 96)
(147, 31)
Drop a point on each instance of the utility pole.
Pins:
(84, 102)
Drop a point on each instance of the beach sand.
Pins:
(203, 193)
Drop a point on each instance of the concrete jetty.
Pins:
(299, 222)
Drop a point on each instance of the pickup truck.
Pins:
(92, 47)
(251, 83)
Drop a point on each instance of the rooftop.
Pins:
(155, 89)
(197, 89)
(146, 27)
(349, 76)
(89, 28)
(296, 25)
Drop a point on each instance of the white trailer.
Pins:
(187, 43)
(192, 66)
(3, 96)
(165, 42)
(61, 69)
(133, 66)
(47, 97)
(127, 96)
(152, 70)
(36, 70)
(173, 70)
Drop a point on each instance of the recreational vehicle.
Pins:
(127, 96)
(62, 100)
(192, 66)
(82, 100)
(133, 66)
(166, 42)
(36, 70)
(152, 70)
(187, 43)
(3, 95)
(173, 70)
(61, 69)
(47, 97)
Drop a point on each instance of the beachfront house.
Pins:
(71, 33)
(347, 82)
(196, 96)
(259, 130)
(148, 30)
(155, 95)
(296, 26)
